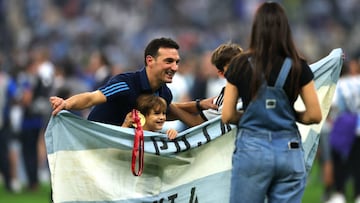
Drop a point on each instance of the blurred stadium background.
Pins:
(72, 30)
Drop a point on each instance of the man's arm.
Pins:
(196, 106)
(190, 119)
(77, 102)
(188, 112)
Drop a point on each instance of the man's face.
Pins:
(164, 66)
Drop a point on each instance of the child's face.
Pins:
(221, 74)
(155, 120)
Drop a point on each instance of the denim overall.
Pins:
(268, 160)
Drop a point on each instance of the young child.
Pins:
(220, 58)
(154, 110)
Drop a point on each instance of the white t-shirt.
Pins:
(212, 113)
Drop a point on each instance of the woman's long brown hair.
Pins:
(271, 41)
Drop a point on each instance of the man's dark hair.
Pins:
(153, 47)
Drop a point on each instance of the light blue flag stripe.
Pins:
(326, 72)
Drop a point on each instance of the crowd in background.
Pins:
(72, 29)
(63, 47)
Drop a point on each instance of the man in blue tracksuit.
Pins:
(118, 96)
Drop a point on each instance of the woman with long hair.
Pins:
(268, 160)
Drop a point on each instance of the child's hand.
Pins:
(171, 133)
(208, 104)
(128, 122)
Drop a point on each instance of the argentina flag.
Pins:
(91, 162)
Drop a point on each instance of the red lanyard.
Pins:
(138, 148)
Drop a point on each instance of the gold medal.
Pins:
(142, 119)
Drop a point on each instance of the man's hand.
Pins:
(57, 104)
(208, 104)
